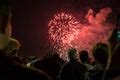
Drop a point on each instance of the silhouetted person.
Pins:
(56, 57)
(50, 65)
(4, 20)
(72, 70)
(100, 53)
(84, 57)
(12, 47)
(11, 71)
(7, 44)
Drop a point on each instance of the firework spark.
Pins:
(63, 30)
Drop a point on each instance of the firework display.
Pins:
(65, 31)
(64, 28)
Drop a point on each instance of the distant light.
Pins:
(118, 35)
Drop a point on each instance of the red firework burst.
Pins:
(63, 29)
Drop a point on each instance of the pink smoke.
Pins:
(99, 18)
(85, 36)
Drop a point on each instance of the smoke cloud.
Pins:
(99, 18)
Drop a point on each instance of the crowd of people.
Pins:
(52, 67)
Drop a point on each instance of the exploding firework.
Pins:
(63, 30)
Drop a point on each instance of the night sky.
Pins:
(30, 19)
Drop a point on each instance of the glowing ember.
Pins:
(65, 31)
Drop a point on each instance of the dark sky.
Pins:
(30, 19)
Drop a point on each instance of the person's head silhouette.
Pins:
(100, 52)
(72, 54)
(83, 55)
